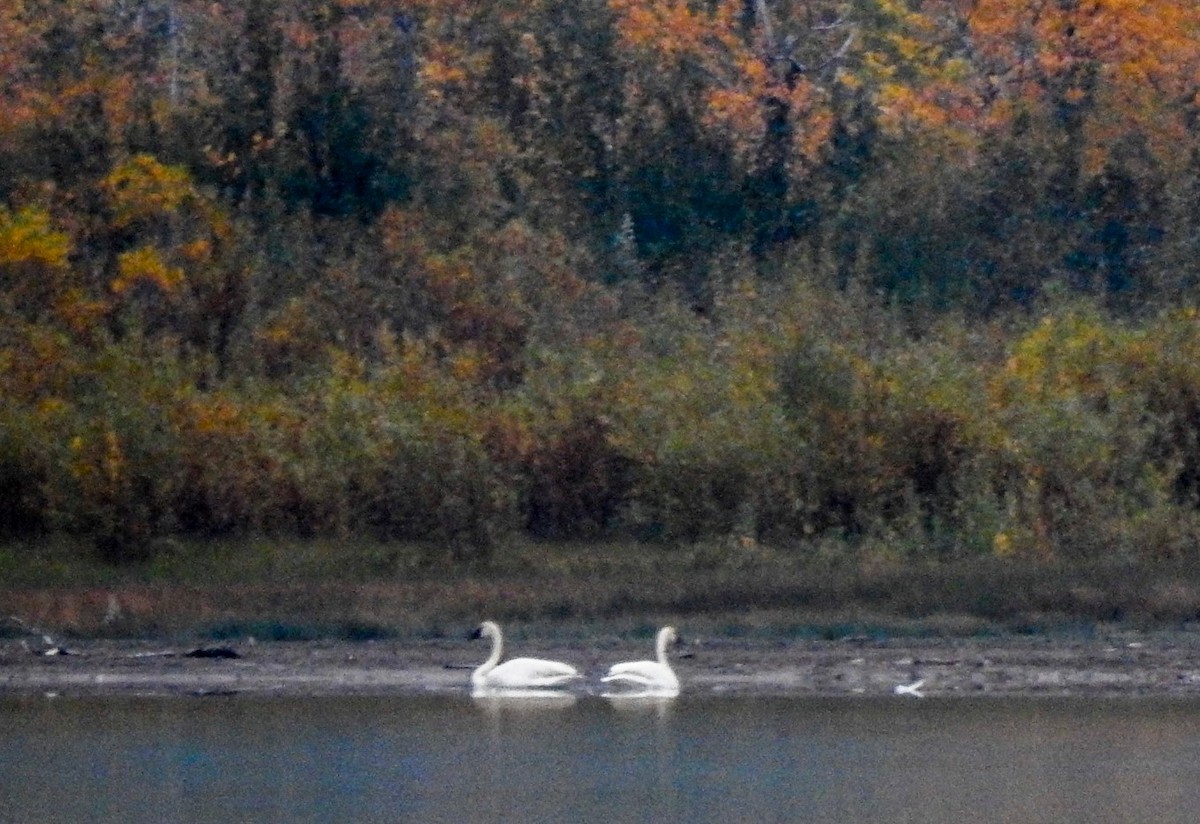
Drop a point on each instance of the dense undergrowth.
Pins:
(778, 420)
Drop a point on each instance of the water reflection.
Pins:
(522, 699)
(495, 702)
(568, 757)
(645, 703)
(650, 751)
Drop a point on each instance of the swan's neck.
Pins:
(493, 659)
(660, 647)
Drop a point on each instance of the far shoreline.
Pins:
(1121, 663)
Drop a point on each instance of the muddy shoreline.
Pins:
(1118, 664)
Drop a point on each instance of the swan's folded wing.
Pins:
(531, 672)
(628, 678)
(650, 670)
(553, 681)
(646, 675)
(539, 667)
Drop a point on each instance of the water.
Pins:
(693, 759)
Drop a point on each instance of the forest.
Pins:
(902, 279)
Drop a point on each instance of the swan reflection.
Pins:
(646, 702)
(511, 701)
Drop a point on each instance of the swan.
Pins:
(519, 673)
(649, 676)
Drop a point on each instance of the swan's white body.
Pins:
(648, 676)
(519, 673)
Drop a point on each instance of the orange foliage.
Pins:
(671, 29)
(212, 415)
(1130, 62)
(19, 100)
(81, 313)
(441, 69)
(814, 120)
(740, 76)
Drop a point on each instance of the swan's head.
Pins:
(670, 636)
(488, 629)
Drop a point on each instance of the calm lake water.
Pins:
(691, 759)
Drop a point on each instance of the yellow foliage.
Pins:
(114, 457)
(28, 238)
(467, 366)
(437, 74)
(907, 47)
(293, 333)
(34, 261)
(903, 107)
(143, 188)
(98, 464)
(145, 265)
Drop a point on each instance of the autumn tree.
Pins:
(1096, 97)
(725, 119)
(172, 270)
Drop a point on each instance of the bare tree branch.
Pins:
(837, 56)
(764, 22)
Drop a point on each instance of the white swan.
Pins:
(519, 673)
(655, 677)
